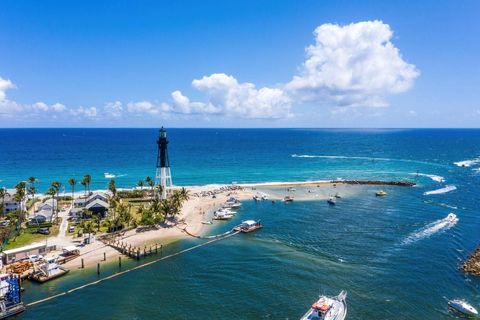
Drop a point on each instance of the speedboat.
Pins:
(380, 193)
(248, 226)
(452, 217)
(337, 195)
(256, 198)
(288, 199)
(328, 308)
(331, 201)
(264, 197)
(462, 306)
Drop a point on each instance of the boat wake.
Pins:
(467, 163)
(432, 228)
(108, 175)
(440, 191)
(361, 158)
(431, 176)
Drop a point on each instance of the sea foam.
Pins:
(468, 163)
(432, 228)
(440, 191)
(431, 176)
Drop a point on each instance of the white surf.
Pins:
(431, 176)
(468, 163)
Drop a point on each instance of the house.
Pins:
(9, 202)
(41, 216)
(18, 254)
(48, 205)
(97, 203)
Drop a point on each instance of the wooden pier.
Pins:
(133, 251)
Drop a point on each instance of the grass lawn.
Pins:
(26, 237)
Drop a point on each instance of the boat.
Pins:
(462, 306)
(264, 197)
(232, 203)
(256, 198)
(248, 226)
(337, 195)
(10, 296)
(206, 222)
(380, 193)
(47, 269)
(452, 217)
(291, 189)
(331, 201)
(222, 215)
(288, 199)
(328, 308)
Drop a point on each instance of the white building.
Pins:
(9, 202)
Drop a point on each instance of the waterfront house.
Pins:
(48, 205)
(9, 202)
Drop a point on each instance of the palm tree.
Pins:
(140, 184)
(20, 197)
(113, 205)
(2, 195)
(84, 184)
(72, 182)
(184, 194)
(159, 188)
(32, 189)
(51, 192)
(112, 188)
(56, 186)
(151, 183)
(88, 180)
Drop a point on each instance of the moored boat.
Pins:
(462, 306)
(248, 226)
(47, 269)
(10, 296)
(288, 199)
(331, 201)
(380, 193)
(222, 215)
(328, 308)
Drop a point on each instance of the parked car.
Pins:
(34, 257)
(71, 229)
(4, 223)
(43, 230)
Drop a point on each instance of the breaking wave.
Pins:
(431, 176)
(432, 228)
(440, 191)
(361, 158)
(467, 163)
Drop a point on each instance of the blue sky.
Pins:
(239, 63)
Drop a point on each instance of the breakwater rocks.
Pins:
(377, 182)
(472, 265)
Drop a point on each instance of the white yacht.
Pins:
(222, 215)
(462, 306)
(328, 308)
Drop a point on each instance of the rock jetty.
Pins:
(376, 182)
(472, 265)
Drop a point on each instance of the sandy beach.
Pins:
(203, 201)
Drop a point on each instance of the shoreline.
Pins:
(204, 200)
(200, 208)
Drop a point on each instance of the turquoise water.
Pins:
(395, 256)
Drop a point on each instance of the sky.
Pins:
(267, 63)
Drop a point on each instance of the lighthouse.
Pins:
(163, 176)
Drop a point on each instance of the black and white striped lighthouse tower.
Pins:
(163, 176)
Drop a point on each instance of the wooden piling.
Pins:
(119, 262)
(104, 256)
(98, 268)
(83, 265)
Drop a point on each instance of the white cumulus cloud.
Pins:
(355, 64)
(228, 96)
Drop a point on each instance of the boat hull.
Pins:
(11, 311)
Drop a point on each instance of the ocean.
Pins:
(396, 256)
